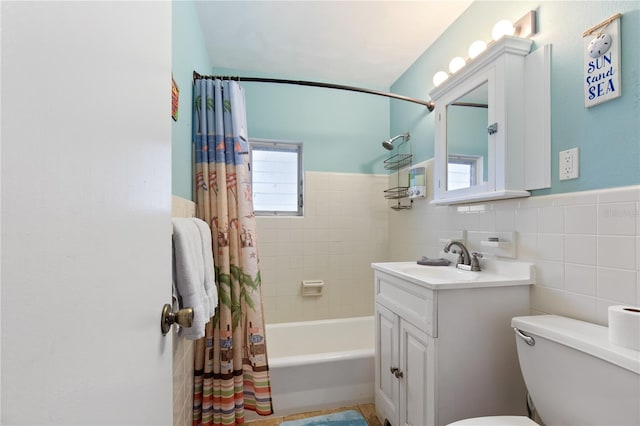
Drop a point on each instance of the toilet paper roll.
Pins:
(624, 326)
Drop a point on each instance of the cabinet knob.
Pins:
(396, 372)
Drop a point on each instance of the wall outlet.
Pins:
(569, 164)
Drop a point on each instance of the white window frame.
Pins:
(281, 146)
(475, 163)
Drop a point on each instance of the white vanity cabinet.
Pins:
(406, 349)
(444, 354)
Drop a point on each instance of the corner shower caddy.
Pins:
(396, 162)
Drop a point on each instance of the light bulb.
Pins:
(476, 48)
(456, 63)
(502, 28)
(439, 77)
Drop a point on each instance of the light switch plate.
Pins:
(569, 164)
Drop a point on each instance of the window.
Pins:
(463, 171)
(276, 177)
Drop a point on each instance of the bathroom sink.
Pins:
(436, 273)
(495, 273)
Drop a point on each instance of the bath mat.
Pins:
(343, 418)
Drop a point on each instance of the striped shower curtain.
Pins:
(231, 368)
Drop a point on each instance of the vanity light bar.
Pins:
(524, 27)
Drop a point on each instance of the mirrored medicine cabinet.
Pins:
(492, 125)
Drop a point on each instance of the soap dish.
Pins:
(433, 262)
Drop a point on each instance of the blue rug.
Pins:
(343, 418)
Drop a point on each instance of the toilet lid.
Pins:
(496, 421)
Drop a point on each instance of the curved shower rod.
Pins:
(429, 104)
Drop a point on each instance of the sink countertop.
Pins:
(495, 273)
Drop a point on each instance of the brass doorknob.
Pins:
(183, 317)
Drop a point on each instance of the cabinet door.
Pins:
(417, 385)
(387, 385)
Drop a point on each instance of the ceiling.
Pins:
(369, 43)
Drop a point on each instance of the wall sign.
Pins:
(602, 62)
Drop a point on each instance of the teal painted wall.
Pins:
(341, 131)
(608, 135)
(189, 54)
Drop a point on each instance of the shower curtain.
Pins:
(231, 369)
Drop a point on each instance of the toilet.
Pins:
(574, 376)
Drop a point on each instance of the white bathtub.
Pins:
(321, 364)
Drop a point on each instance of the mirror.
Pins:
(467, 141)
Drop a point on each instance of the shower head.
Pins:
(388, 144)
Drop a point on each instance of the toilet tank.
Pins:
(575, 376)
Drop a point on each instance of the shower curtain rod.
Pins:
(470, 104)
(429, 104)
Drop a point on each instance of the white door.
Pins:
(86, 237)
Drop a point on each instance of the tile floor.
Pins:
(367, 411)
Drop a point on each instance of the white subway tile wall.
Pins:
(585, 245)
(344, 229)
(182, 380)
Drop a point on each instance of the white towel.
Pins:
(193, 272)
(209, 281)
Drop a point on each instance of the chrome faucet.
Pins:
(465, 260)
